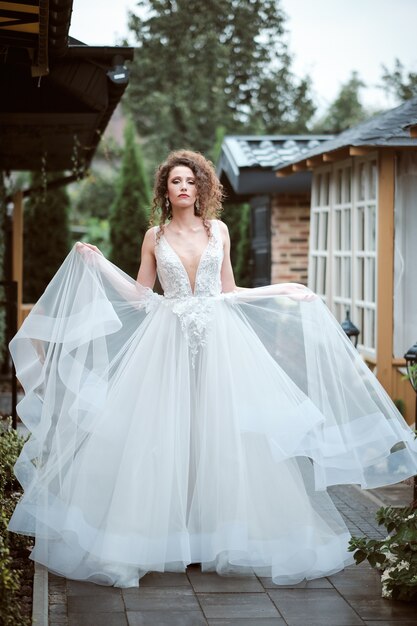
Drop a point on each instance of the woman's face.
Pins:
(181, 187)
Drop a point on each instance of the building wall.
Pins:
(290, 229)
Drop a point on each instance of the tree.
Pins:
(130, 211)
(398, 82)
(96, 197)
(347, 109)
(46, 236)
(223, 63)
(237, 218)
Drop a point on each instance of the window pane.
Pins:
(372, 280)
(339, 187)
(360, 228)
(372, 228)
(315, 230)
(338, 277)
(324, 226)
(347, 186)
(346, 278)
(326, 190)
(372, 338)
(346, 230)
(361, 181)
(319, 280)
(337, 229)
(360, 279)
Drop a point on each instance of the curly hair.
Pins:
(209, 188)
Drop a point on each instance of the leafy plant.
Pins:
(11, 444)
(396, 555)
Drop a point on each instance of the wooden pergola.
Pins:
(58, 95)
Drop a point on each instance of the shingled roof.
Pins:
(247, 163)
(388, 129)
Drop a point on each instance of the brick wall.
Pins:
(290, 229)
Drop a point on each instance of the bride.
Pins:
(203, 425)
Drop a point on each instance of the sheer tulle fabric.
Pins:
(203, 428)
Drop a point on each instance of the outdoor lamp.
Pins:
(411, 360)
(350, 329)
(119, 72)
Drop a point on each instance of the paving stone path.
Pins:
(348, 598)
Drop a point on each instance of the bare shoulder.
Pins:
(224, 231)
(149, 238)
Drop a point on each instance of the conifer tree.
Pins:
(221, 63)
(46, 236)
(130, 211)
(237, 218)
(346, 110)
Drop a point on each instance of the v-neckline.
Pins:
(183, 266)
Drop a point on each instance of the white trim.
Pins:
(345, 258)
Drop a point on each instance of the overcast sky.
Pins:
(328, 38)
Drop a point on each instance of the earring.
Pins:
(197, 207)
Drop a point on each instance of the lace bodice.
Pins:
(173, 275)
(193, 309)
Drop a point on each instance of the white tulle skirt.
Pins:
(167, 432)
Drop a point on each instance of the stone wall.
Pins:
(290, 229)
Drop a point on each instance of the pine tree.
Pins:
(398, 82)
(347, 109)
(221, 63)
(46, 236)
(237, 218)
(129, 213)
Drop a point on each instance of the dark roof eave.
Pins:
(99, 53)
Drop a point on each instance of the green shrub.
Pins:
(11, 444)
(396, 555)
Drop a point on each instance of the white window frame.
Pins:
(351, 270)
(321, 202)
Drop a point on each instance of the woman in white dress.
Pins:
(203, 425)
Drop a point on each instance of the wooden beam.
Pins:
(315, 161)
(336, 155)
(385, 269)
(360, 150)
(285, 171)
(17, 250)
(299, 167)
(413, 131)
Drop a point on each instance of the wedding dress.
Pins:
(193, 427)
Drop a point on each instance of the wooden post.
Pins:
(385, 281)
(17, 251)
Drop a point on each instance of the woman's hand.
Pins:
(81, 247)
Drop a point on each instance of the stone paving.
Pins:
(348, 598)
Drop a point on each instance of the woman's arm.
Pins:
(147, 270)
(126, 287)
(292, 290)
(226, 276)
